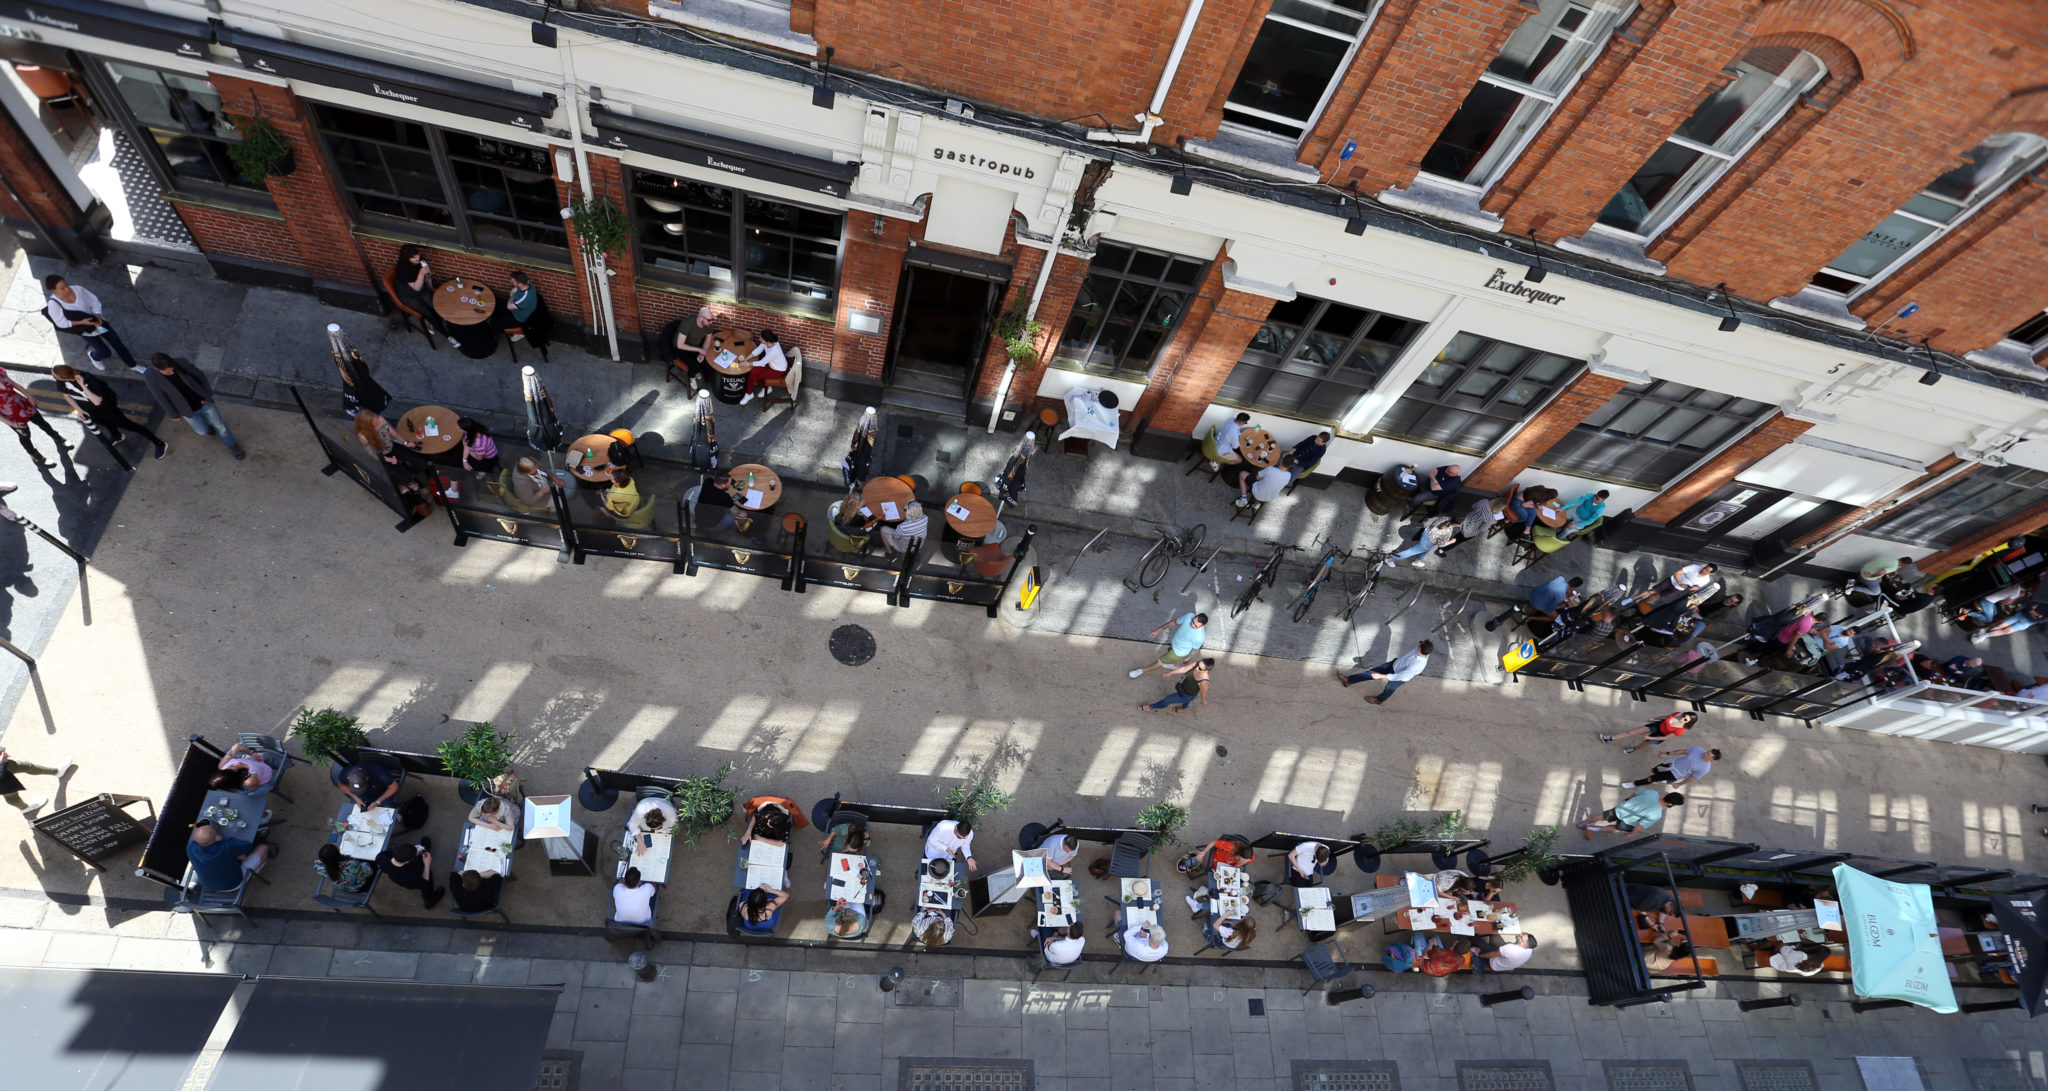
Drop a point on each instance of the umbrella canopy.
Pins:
(704, 437)
(1010, 485)
(860, 455)
(359, 390)
(543, 431)
(2026, 941)
(1894, 947)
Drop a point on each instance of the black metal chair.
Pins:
(203, 903)
(1326, 963)
(333, 897)
(1131, 858)
(497, 905)
(647, 935)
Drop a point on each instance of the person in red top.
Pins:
(1224, 850)
(19, 410)
(1656, 731)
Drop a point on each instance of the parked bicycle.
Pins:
(1326, 566)
(1173, 545)
(1266, 575)
(1329, 567)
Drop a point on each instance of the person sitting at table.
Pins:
(1437, 489)
(689, 348)
(932, 927)
(242, 770)
(847, 918)
(1060, 851)
(1063, 946)
(222, 864)
(493, 813)
(622, 498)
(1270, 483)
(633, 900)
(1224, 850)
(716, 495)
(1228, 435)
(1805, 959)
(378, 437)
(769, 362)
(368, 783)
(846, 837)
(913, 528)
(520, 303)
(1667, 948)
(1506, 951)
(1145, 942)
(951, 837)
(414, 283)
(761, 907)
(348, 874)
(477, 891)
(412, 867)
(479, 447)
(530, 487)
(770, 824)
(650, 817)
(1307, 863)
(1309, 452)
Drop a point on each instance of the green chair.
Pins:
(640, 518)
(1545, 541)
(1208, 457)
(511, 497)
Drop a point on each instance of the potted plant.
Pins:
(476, 757)
(1165, 821)
(1019, 334)
(1534, 855)
(703, 803)
(974, 797)
(263, 150)
(601, 228)
(327, 735)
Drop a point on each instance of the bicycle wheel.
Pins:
(1153, 568)
(1307, 598)
(1191, 540)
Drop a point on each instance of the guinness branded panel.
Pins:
(288, 60)
(734, 157)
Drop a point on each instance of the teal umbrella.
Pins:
(1894, 946)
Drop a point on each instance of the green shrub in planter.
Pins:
(478, 756)
(326, 734)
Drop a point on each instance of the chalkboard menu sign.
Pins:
(96, 829)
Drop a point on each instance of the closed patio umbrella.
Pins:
(860, 454)
(704, 437)
(543, 430)
(2026, 942)
(1009, 486)
(359, 389)
(1894, 946)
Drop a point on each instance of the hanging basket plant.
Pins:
(263, 151)
(1019, 333)
(601, 228)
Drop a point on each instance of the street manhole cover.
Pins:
(2000, 1075)
(1346, 1076)
(1504, 1076)
(952, 1073)
(557, 1073)
(1776, 1076)
(852, 645)
(1647, 1076)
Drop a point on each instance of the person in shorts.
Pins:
(1189, 631)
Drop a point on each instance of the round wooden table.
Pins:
(413, 427)
(597, 470)
(766, 482)
(732, 378)
(1258, 448)
(981, 517)
(467, 309)
(885, 490)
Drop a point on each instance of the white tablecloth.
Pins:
(1087, 419)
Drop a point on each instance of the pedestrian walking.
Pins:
(1439, 532)
(1189, 631)
(1194, 683)
(1477, 522)
(96, 406)
(11, 787)
(182, 392)
(1686, 766)
(1644, 809)
(1656, 731)
(19, 409)
(77, 311)
(1397, 672)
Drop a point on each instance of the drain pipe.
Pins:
(1052, 253)
(1150, 119)
(1872, 516)
(597, 268)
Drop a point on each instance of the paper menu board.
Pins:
(753, 498)
(1134, 916)
(1829, 914)
(889, 510)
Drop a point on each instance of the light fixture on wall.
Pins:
(1930, 376)
(822, 95)
(1182, 184)
(543, 34)
(1536, 272)
(1354, 219)
(1734, 321)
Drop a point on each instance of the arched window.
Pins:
(1987, 170)
(1538, 66)
(1718, 134)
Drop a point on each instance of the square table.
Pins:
(1317, 914)
(248, 808)
(1059, 904)
(651, 859)
(850, 878)
(937, 893)
(485, 849)
(1088, 418)
(368, 832)
(1230, 890)
(762, 864)
(1140, 901)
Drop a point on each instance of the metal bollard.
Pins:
(1990, 1005)
(1861, 1006)
(1507, 996)
(891, 979)
(1344, 996)
(1772, 1002)
(642, 966)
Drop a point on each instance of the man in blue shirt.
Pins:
(219, 863)
(1439, 486)
(1545, 598)
(1189, 631)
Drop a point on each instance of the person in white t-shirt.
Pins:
(1305, 863)
(1145, 942)
(1271, 482)
(951, 838)
(1804, 959)
(1063, 945)
(1685, 766)
(633, 900)
(1513, 953)
(769, 364)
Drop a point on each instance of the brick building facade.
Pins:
(1704, 255)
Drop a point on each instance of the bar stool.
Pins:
(1048, 419)
(791, 524)
(1247, 511)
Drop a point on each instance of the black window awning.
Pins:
(114, 22)
(721, 153)
(108, 1030)
(290, 60)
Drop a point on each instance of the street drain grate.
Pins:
(1346, 1076)
(1504, 1076)
(2000, 1074)
(557, 1073)
(955, 1073)
(852, 645)
(1647, 1076)
(1776, 1076)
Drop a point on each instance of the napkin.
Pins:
(725, 358)
(753, 498)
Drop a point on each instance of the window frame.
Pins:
(738, 288)
(1486, 406)
(1615, 446)
(1274, 371)
(105, 86)
(461, 232)
(1357, 39)
(1084, 360)
(1964, 213)
(1970, 486)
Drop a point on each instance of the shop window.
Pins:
(1720, 132)
(1649, 433)
(184, 121)
(1538, 66)
(1313, 359)
(1128, 307)
(2033, 334)
(1986, 171)
(1972, 503)
(1302, 48)
(1475, 392)
(401, 171)
(769, 251)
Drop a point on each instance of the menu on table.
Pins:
(367, 831)
(765, 865)
(955, 510)
(846, 872)
(650, 858)
(889, 510)
(753, 498)
(1316, 912)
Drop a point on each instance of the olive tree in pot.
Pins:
(703, 803)
(1165, 821)
(327, 735)
(475, 758)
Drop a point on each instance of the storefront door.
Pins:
(945, 310)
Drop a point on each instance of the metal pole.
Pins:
(1772, 1002)
(1861, 1006)
(1507, 996)
(1991, 1005)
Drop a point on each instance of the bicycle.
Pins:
(1374, 561)
(1266, 575)
(1325, 567)
(1172, 546)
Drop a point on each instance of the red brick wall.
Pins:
(1572, 405)
(659, 305)
(1772, 434)
(1219, 324)
(563, 290)
(240, 234)
(869, 267)
(995, 355)
(316, 216)
(1968, 275)
(1054, 308)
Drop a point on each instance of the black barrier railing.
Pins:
(652, 531)
(739, 541)
(1284, 841)
(1438, 847)
(163, 856)
(419, 765)
(374, 474)
(487, 507)
(1105, 835)
(895, 814)
(1683, 674)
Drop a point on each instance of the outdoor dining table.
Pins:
(467, 307)
(247, 808)
(1314, 908)
(729, 357)
(432, 427)
(1258, 448)
(970, 517)
(762, 864)
(1059, 904)
(590, 459)
(648, 852)
(1230, 892)
(761, 487)
(484, 849)
(364, 834)
(1476, 919)
(851, 878)
(1137, 903)
(883, 498)
(938, 893)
